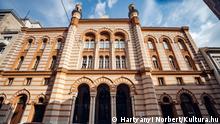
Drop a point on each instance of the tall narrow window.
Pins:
(106, 61)
(150, 45)
(122, 44)
(172, 63)
(167, 108)
(210, 107)
(123, 62)
(39, 110)
(155, 62)
(44, 44)
(189, 108)
(101, 61)
(46, 81)
(37, 61)
(20, 62)
(123, 102)
(179, 81)
(59, 43)
(29, 44)
(90, 62)
(1, 102)
(2, 47)
(10, 81)
(181, 45)
(19, 110)
(53, 62)
(84, 62)
(28, 81)
(165, 45)
(82, 104)
(188, 62)
(118, 65)
(161, 81)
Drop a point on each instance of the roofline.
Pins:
(105, 20)
(17, 17)
(165, 28)
(44, 29)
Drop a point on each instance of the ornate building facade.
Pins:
(96, 69)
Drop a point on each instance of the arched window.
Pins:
(20, 62)
(53, 62)
(210, 107)
(167, 107)
(103, 105)
(87, 62)
(1, 102)
(189, 108)
(107, 62)
(59, 43)
(150, 44)
(188, 62)
(181, 44)
(101, 62)
(19, 110)
(123, 62)
(44, 44)
(118, 65)
(90, 62)
(119, 40)
(172, 63)
(39, 110)
(84, 62)
(155, 62)
(29, 44)
(89, 40)
(82, 104)
(37, 61)
(166, 45)
(123, 102)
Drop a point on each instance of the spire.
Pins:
(76, 14)
(133, 14)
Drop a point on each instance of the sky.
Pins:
(203, 24)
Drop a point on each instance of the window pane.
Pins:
(150, 45)
(123, 62)
(101, 62)
(118, 62)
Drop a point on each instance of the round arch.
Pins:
(85, 80)
(182, 91)
(105, 80)
(40, 96)
(150, 37)
(164, 37)
(93, 31)
(176, 38)
(108, 30)
(118, 30)
(20, 92)
(165, 95)
(4, 97)
(124, 80)
(206, 95)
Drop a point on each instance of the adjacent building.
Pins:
(10, 26)
(96, 69)
(214, 5)
(212, 56)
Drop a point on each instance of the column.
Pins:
(92, 108)
(73, 108)
(113, 105)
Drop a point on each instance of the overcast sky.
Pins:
(204, 25)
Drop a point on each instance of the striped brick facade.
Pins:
(141, 77)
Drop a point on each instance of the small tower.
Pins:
(76, 14)
(133, 14)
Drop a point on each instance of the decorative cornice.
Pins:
(26, 73)
(165, 28)
(47, 29)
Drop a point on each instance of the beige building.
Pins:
(96, 69)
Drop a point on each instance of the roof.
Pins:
(17, 17)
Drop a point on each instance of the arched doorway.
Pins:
(123, 102)
(39, 110)
(82, 104)
(167, 107)
(19, 110)
(189, 107)
(209, 104)
(1, 101)
(103, 105)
